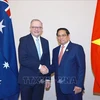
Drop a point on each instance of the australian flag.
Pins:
(8, 64)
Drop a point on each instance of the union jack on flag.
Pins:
(9, 88)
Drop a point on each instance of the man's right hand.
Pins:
(44, 69)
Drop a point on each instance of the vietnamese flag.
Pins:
(95, 50)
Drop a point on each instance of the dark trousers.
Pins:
(72, 96)
(35, 92)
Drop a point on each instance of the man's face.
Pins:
(62, 37)
(36, 28)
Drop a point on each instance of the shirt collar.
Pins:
(65, 45)
(35, 37)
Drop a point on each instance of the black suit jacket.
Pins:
(71, 71)
(29, 61)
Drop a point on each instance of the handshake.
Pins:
(44, 70)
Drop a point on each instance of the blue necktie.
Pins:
(38, 48)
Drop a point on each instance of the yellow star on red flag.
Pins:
(97, 41)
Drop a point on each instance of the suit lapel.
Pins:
(43, 46)
(65, 55)
(57, 54)
(33, 46)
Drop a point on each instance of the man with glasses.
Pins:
(33, 52)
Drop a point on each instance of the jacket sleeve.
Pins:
(52, 66)
(47, 61)
(81, 66)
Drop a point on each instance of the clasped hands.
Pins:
(44, 70)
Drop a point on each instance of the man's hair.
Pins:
(65, 29)
(36, 20)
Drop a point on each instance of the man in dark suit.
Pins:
(33, 53)
(68, 63)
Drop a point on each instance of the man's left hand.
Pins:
(77, 89)
(47, 84)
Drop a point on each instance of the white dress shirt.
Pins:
(39, 42)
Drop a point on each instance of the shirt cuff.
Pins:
(40, 66)
(47, 80)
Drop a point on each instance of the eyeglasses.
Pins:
(63, 35)
(35, 27)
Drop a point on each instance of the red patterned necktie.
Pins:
(60, 54)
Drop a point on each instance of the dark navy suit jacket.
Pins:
(71, 71)
(29, 61)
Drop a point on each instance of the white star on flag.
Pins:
(0, 81)
(6, 65)
(1, 26)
